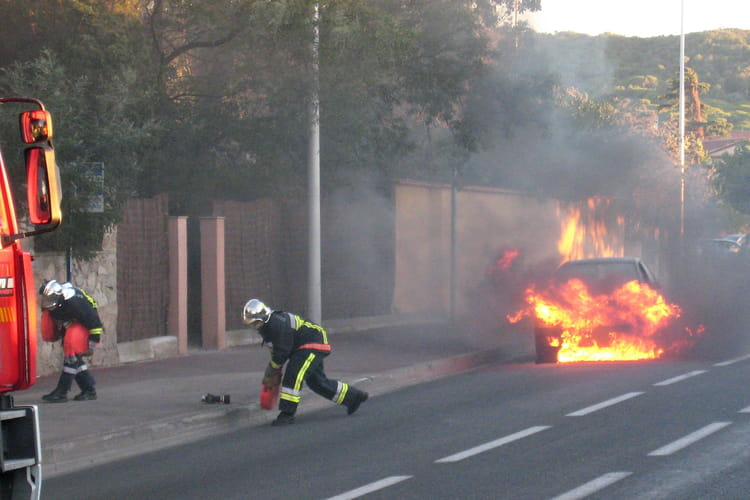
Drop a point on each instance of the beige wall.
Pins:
(487, 222)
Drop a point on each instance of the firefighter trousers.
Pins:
(306, 365)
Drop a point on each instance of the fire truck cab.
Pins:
(21, 459)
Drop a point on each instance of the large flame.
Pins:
(633, 322)
(589, 229)
(624, 325)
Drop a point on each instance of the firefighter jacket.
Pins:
(81, 307)
(287, 332)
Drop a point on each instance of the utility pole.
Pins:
(682, 122)
(314, 307)
(453, 255)
(515, 21)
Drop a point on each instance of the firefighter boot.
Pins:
(60, 394)
(86, 382)
(354, 399)
(284, 418)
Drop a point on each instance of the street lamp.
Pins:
(314, 308)
(682, 121)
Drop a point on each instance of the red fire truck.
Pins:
(21, 460)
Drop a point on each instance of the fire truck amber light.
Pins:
(36, 126)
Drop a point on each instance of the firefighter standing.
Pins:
(302, 345)
(73, 314)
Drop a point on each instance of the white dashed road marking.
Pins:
(603, 404)
(493, 444)
(733, 361)
(585, 489)
(680, 378)
(689, 439)
(593, 486)
(369, 488)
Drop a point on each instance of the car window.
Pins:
(601, 275)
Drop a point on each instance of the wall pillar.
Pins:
(213, 301)
(177, 323)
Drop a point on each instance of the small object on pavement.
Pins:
(212, 399)
(269, 396)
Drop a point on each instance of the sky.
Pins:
(640, 18)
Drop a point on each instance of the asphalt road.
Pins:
(672, 430)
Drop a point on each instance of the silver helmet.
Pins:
(256, 313)
(52, 295)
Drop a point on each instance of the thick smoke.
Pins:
(358, 243)
(540, 150)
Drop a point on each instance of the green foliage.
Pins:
(103, 129)
(731, 178)
(243, 105)
(612, 64)
(207, 100)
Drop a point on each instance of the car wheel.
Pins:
(545, 353)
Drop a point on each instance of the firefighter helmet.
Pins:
(52, 295)
(256, 313)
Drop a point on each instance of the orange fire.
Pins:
(504, 262)
(634, 322)
(589, 229)
(625, 325)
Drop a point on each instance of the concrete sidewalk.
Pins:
(149, 405)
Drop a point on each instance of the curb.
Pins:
(77, 454)
(155, 348)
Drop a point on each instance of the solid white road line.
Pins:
(603, 404)
(732, 361)
(369, 488)
(745, 410)
(593, 486)
(689, 439)
(492, 444)
(680, 378)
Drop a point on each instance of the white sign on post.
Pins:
(95, 174)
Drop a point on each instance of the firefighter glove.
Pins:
(272, 376)
(90, 351)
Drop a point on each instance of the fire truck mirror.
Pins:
(43, 186)
(36, 126)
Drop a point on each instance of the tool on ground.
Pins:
(209, 398)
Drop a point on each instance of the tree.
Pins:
(209, 99)
(102, 97)
(694, 121)
(242, 94)
(730, 176)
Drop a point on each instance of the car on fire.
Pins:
(601, 276)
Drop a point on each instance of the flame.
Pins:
(584, 230)
(504, 262)
(628, 324)
(633, 322)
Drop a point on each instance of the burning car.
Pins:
(600, 309)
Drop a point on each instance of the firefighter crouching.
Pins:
(71, 314)
(302, 345)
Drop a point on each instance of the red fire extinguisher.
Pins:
(269, 396)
